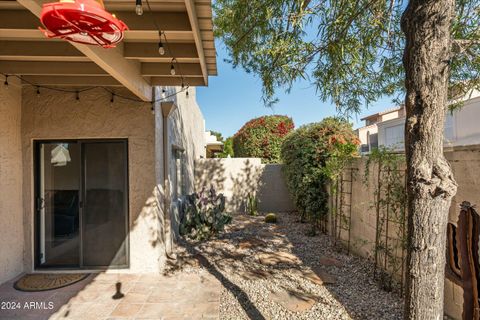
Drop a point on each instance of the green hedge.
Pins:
(312, 156)
(262, 138)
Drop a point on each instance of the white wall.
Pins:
(186, 131)
(237, 178)
(11, 206)
(461, 128)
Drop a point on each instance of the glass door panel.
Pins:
(105, 204)
(58, 204)
(82, 204)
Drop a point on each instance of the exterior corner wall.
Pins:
(57, 115)
(11, 205)
(273, 194)
(186, 132)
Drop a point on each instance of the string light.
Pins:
(77, 92)
(138, 7)
(172, 67)
(38, 91)
(112, 99)
(186, 94)
(161, 49)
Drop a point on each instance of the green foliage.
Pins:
(271, 218)
(204, 215)
(351, 50)
(262, 138)
(252, 205)
(227, 149)
(217, 134)
(313, 155)
(390, 205)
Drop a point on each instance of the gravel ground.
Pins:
(251, 286)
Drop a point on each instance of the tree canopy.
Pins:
(350, 50)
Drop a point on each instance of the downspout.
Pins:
(167, 109)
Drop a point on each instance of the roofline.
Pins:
(381, 113)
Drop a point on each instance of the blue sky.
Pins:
(234, 97)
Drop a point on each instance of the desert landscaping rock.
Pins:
(274, 258)
(330, 284)
(293, 300)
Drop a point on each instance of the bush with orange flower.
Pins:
(313, 155)
(262, 138)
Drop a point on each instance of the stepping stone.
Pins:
(255, 274)
(293, 300)
(251, 243)
(274, 258)
(324, 276)
(327, 261)
(316, 276)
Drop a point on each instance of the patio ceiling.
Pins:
(135, 63)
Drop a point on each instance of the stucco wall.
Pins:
(465, 162)
(186, 132)
(57, 115)
(236, 178)
(11, 206)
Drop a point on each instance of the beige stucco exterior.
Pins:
(11, 206)
(237, 178)
(26, 117)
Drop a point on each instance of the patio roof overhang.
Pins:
(135, 63)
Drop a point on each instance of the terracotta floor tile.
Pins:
(125, 309)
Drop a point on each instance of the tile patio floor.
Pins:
(180, 296)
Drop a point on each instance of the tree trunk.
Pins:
(427, 24)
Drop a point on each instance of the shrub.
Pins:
(203, 215)
(227, 149)
(262, 138)
(271, 218)
(313, 155)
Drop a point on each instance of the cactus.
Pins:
(203, 215)
(271, 218)
(252, 204)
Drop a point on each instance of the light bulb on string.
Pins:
(161, 49)
(112, 99)
(38, 91)
(172, 69)
(164, 93)
(138, 7)
(6, 81)
(77, 96)
(152, 109)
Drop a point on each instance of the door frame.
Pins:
(36, 203)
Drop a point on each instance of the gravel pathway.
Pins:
(276, 271)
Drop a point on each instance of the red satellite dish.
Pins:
(82, 21)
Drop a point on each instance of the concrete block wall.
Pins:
(236, 178)
(465, 162)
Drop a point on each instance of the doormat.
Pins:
(47, 281)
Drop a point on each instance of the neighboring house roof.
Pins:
(136, 64)
(381, 113)
(211, 140)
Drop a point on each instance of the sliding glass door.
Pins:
(81, 204)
